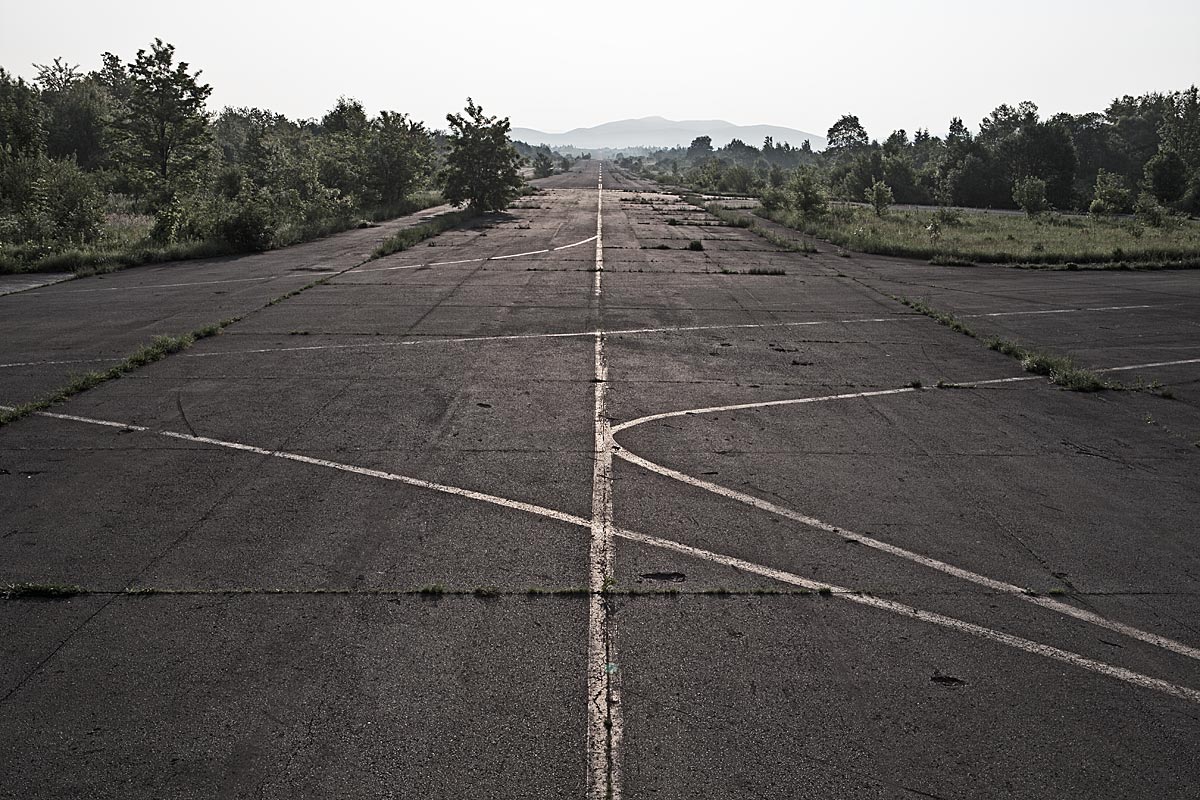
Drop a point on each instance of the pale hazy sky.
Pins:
(557, 65)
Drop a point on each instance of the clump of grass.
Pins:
(1005, 346)
(943, 260)
(402, 240)
(1063, 371)
(943, 318)
(766, 271)
(695, 244)
(159, 348)
(434, 589)
(915, 384)
(42, 591)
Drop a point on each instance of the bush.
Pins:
(1029, 194)
(249, 225)
(879, 195)
(1148, 211)
(1111, 195)
(805, 193)
(695, 245)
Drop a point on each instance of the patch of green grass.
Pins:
(408, 237)
(42, 591)
(434, 589)
(1049, 240)
(915, 384)
(695, 245)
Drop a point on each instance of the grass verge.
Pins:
(1048, 241)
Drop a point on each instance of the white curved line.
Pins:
(1026, 645)
(899, 552)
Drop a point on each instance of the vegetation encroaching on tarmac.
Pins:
(126, 165)
(410, 236)
(1132, 170)
(962, 237)
(744, 220)
(159, 348)
(943, 318)
(1061, 370)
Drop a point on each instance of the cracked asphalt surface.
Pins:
(341, 549)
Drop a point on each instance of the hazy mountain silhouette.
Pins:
(660, 132)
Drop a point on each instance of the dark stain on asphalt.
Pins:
(672, 577)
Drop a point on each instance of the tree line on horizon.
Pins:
(129, 158)
(1143, 149)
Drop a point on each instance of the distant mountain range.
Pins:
(660, 132)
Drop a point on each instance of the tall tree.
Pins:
(165, 119)
(481, 167)
(847, 134)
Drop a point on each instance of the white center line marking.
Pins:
(604, 710)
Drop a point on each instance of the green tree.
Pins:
(879, 195)
(21, 125)
(1112, 196)
(1166, 176)
(846, 135)
(481, 167)
(700, 148)
(78, 111)
(1029, 193)
(543, 166)
(398, 155)
(165, 120)
(805, 193)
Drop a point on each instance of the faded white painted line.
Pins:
(196, 283)
(1026, 645)
(970, 628)
(473, 260)
(54, 363)
(603, 680)
(90, 421)
(812, 522)
(519, 255)
(575, 244)
(766, 404)
(1053, 311)
(470, 494)
(580, 334)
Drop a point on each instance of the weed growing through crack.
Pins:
(41, 591)
(159, 348)
(408, 237)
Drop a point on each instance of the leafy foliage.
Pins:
(481, 167)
